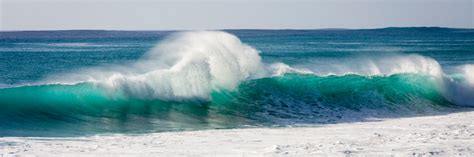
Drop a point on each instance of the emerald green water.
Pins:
(285, 100)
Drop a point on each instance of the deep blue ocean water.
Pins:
(310, 77)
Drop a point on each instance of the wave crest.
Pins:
(188, 65)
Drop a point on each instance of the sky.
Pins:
(232, 14)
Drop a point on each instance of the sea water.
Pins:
(64, 83)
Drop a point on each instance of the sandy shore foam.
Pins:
(444, 135)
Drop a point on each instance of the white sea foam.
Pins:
(279, 69)
(460, 90)
(468, 72)
(388, 64)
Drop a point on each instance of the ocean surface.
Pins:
(85, 82)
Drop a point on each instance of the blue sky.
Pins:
(232, 14)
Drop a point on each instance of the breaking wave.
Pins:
(212, 78)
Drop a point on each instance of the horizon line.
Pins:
(232, 29)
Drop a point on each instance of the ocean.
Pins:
(88, 82)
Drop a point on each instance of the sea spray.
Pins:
(186, 66)
(460, 89)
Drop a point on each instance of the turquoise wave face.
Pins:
(294, 99)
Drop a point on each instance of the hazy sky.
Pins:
(228, 14)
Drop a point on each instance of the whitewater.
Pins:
(211, 79)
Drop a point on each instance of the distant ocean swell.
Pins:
(211, 79)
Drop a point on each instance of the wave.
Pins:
(281, 100)
(212, 79)
(189, 66)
